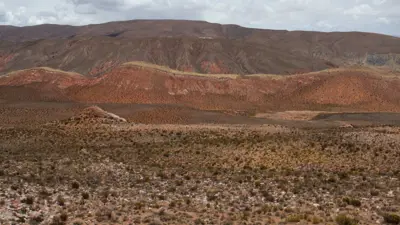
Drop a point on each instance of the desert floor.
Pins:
(176, 165)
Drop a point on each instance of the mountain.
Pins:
(193, 46)
(351, 89)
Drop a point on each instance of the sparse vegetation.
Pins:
(111, 173)
(345, 220)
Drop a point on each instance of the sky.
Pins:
(379, 16)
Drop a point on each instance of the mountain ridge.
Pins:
(195, 46)
(79, 28)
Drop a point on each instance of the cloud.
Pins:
(382, 16)
(361, 10)
(3, 13)
(324, 25)
(383, 20)
(85, 9)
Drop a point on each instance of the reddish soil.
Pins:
(357, 90)
(342, 90)
(4, 59)
(54, 78)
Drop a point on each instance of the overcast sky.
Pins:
(381, 16)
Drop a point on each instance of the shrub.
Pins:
(64, 216)
(211, 196)
(374, 192)
(60, 200)
(36, 219)
(294, 218)
(139, 205)
(352, 201)
(268, 197)
(345, 220)
(198, 221)
(343, 176)
(316, 220)
(59, 220)
(391, 218)
(172, 204)
(179, 183)
(85, 195)
(29, 200)
(78, 222)
(75, 185)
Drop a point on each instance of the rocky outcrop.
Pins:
(94, 115)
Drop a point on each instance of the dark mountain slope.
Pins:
(190, 46)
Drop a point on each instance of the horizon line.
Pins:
(203, 21)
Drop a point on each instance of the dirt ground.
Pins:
(252, 171)
(30, 113)
(35, 113)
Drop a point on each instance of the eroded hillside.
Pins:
(360, 89)
(190, 46)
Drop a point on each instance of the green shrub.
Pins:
(316, 220)
(345, 220)
(294, 218)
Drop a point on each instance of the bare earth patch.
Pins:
(290, 115)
